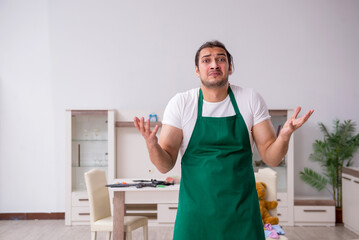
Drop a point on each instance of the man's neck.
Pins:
(214, 94)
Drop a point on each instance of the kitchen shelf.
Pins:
(131, 124)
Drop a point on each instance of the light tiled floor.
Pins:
(56, 230)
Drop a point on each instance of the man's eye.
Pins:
(206, 61)
(222, 59)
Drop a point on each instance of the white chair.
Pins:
(269, 177)
(100, 209)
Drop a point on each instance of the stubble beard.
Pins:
(217, 84)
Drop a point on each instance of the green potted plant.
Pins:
(332, 153)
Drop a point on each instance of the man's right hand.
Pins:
(163, 151)
(144, 128)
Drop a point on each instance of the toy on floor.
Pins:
(266, 205)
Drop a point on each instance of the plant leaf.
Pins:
(314, 179)
(324, 130)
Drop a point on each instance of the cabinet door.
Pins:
(346, 182)
(350, 186)
(355, 211)
(282, 214)
(167, 213)
(282, 199)
(89, 147)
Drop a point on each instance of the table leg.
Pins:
(118, 215)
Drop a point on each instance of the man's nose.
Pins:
(214, 65)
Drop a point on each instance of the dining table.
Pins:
(132, 194)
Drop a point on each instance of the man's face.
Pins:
(213, 68)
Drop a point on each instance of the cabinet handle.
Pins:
(346, 178)
(278, 200)
(83, 200)
(278, 214)
(78, 154)
(314, 210)
(172, 208)
(84, 214)
(356, 181)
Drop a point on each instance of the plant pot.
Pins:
(338, 215)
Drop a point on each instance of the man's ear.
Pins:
(197, 71)
(230, 70)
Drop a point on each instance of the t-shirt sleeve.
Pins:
(172, 114)
(260, 109)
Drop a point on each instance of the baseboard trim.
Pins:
(32, 216)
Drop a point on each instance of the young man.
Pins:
(214, 127)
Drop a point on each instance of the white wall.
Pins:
(28, 170)
(128, 55)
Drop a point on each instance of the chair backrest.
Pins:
(269, 177)
(98, 194)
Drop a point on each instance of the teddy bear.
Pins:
(266, 205)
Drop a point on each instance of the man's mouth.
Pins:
(215, 73)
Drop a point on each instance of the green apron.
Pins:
(218, 197)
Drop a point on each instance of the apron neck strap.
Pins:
(200, 103)
(231, 96)
(233, 100)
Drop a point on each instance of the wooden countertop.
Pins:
(300, 200)
(351, 171)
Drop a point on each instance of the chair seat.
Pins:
(131, 223)
(103, 225)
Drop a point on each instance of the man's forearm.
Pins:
(276, 151)
(160, 158)
(273, 149)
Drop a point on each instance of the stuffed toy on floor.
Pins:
(266, 205)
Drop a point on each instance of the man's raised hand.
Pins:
(144, 128)
(293, 123)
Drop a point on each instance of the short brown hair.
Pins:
(213, 44)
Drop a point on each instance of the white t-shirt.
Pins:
(181, 110)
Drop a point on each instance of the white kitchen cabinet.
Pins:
(314, 211)
(90, 143)
(314, 215)
(350, 185)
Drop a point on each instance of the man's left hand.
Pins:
(293, 123)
